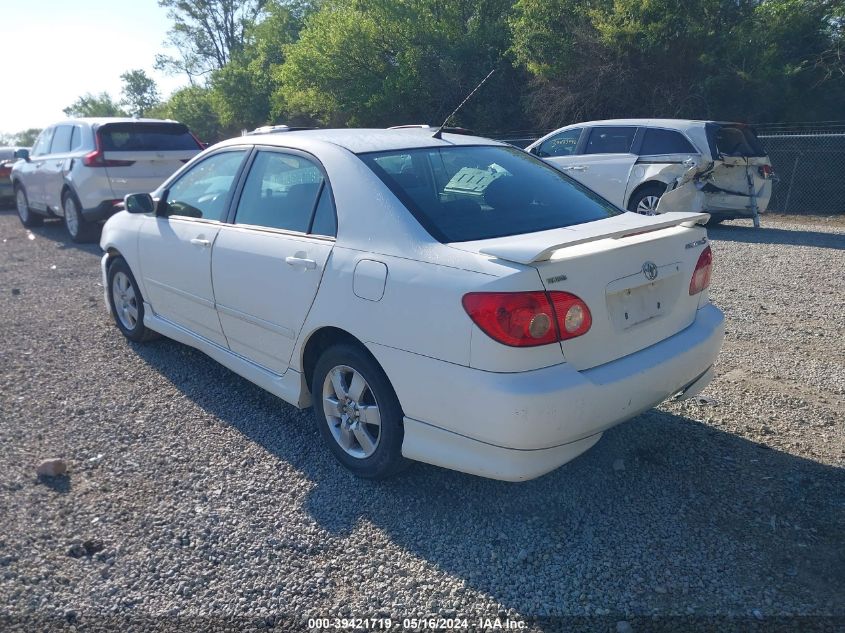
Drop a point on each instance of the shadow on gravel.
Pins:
(790, 237)
(691, 515)
(54, 230)
(60, 484)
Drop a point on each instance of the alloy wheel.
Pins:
(648, 205)
(125, 300)
(352, 411)
(23, 206)
(71, 216)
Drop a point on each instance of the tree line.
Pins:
(387, 62)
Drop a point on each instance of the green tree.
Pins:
(206, 34)
(376, 62)
(737, 59)
(94, 106)
(243, 89)
(140, 92)
(193, 107)
(26, 138)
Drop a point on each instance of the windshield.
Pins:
(466, 193)
(733, 140)
(144, 137)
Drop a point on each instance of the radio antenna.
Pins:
(439, 133)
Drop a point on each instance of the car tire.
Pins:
(126, 303)
(645, 199)
(27, 217)
(79, 229)
(348, 382)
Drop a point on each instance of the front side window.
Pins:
(280, 192)
(42, 144)
(479, 192)
(61, 140)
(203, 191)
(563, 144)
(610, 140)
(658, 141)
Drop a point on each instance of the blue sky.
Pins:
(54, 51)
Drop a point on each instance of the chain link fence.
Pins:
(808, 160)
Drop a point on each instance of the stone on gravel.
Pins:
(619, 465)
(623, 626)
(53, 467)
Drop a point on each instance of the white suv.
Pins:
(81, 169)
(634, 162)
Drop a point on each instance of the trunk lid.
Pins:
(632, 271)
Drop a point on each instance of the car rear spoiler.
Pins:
(538, 247)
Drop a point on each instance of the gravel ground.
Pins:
(195, 498)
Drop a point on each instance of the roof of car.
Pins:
(667, 123)
(112, 119)
(360, 141)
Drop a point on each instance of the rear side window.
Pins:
(657, 141)
(733, 140)
(280, 192)
(142, 137)
(61, 140)
(610, 140)
(76, 139)
(460, 194)
(325, 218)
(563, 144)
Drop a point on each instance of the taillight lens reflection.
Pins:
(703, 269)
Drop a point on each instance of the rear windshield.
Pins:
(733, 140)
(461, 194)
(140, 137)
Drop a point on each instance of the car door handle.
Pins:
(301, 262)
(575, 168)
(198, 241)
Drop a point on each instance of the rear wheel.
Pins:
(645, 200)
(79, 229)
(126, 302)
(358, 413)
(27, 217)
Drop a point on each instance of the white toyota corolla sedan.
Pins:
(451, 300)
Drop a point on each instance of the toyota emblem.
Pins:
(650, 271)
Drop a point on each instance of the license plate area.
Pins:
(631, 302)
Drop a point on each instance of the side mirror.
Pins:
(139, 203)
(22, 154)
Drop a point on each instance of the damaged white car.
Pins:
(653, 166)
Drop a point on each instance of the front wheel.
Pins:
(79, 229)
(358, 413)
(126, 302)
(27, 217)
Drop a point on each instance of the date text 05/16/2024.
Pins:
(417, 624)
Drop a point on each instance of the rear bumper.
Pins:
(518, 426)
(102, 211)
(6, 190)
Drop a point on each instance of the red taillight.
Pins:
(765, 171)
(5, 172)
(573, 315)
(528, 319)
(701, 276)
(97, 158)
